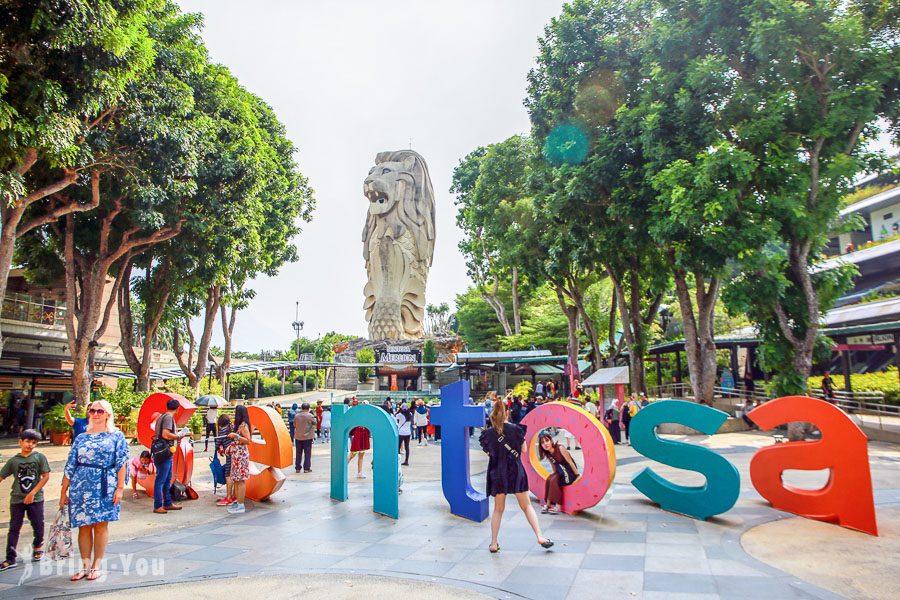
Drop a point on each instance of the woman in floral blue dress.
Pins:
(93, 484)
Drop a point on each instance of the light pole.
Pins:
(298, 326)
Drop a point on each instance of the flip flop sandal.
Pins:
(495, 550)
(94, 575)
(79, 575)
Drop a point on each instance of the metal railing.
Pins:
(32, 312)
(866, 408)
(381, 395)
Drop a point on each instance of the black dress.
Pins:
(505, 473)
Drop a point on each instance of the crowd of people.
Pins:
(99, 462)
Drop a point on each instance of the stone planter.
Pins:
(60, 439)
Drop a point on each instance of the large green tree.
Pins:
(144, 197)
(596, 197)
(797, 89)
(64, 69)
(494, 212)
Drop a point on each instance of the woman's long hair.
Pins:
(543, 453)
(498, 417)
(110, 420)
(241, 416)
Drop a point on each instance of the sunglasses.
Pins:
(95, 411)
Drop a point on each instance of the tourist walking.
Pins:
(319, 411)
(209, 419)
(304, 433)
(93, 484)
(291, 414)
(629, 409)
(591, 407)
(30, 472)
(504, 443)
(612, 422)
(565, 472)
(360, 442)
(162, 487)
(222, 444)
(326, 424)
(404, 428)
(828, 387)
(420, 420)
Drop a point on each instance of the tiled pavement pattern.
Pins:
(625, 548)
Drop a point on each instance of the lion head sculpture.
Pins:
(398, 244)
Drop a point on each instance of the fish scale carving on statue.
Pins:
(398, 244)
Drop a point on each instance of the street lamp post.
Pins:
(298, 326)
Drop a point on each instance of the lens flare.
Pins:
(566, 144)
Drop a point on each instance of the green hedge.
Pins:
(884, 381)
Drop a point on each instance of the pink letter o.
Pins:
(599, 468)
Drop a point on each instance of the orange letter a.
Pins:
(847, 497)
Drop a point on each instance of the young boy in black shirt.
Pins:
(31, 472)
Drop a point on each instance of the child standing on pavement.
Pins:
(31, 472)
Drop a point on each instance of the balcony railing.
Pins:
(32, 312)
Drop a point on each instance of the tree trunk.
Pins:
(497, 304)
(186, 364)
(11, 225)
(699, 333)
(634, 327)
(803, 345)
(10, 218)
(213, 297)
(228, 334)
(571, 313)
(517, 316)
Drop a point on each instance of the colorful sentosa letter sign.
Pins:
(845, 500)
(385, 438)
(269, 455)
(599, 467)
(152, 408)
(455, 416)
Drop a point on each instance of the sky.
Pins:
(349, 79)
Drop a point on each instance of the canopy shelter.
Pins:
(870, 346)
(615, 376)
(536, 363)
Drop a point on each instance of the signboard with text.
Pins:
(398, 354)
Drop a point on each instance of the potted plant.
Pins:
(196, 426)
(55, 421)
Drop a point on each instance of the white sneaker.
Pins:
(236, 509)
(360, 476)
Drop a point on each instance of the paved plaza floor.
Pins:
(301, 543)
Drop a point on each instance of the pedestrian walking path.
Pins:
(624, 548)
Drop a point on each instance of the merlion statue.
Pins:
(398, 244)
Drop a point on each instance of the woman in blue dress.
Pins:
(93, 484)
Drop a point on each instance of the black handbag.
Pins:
(160, 450)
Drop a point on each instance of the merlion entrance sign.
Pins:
(398, 244)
